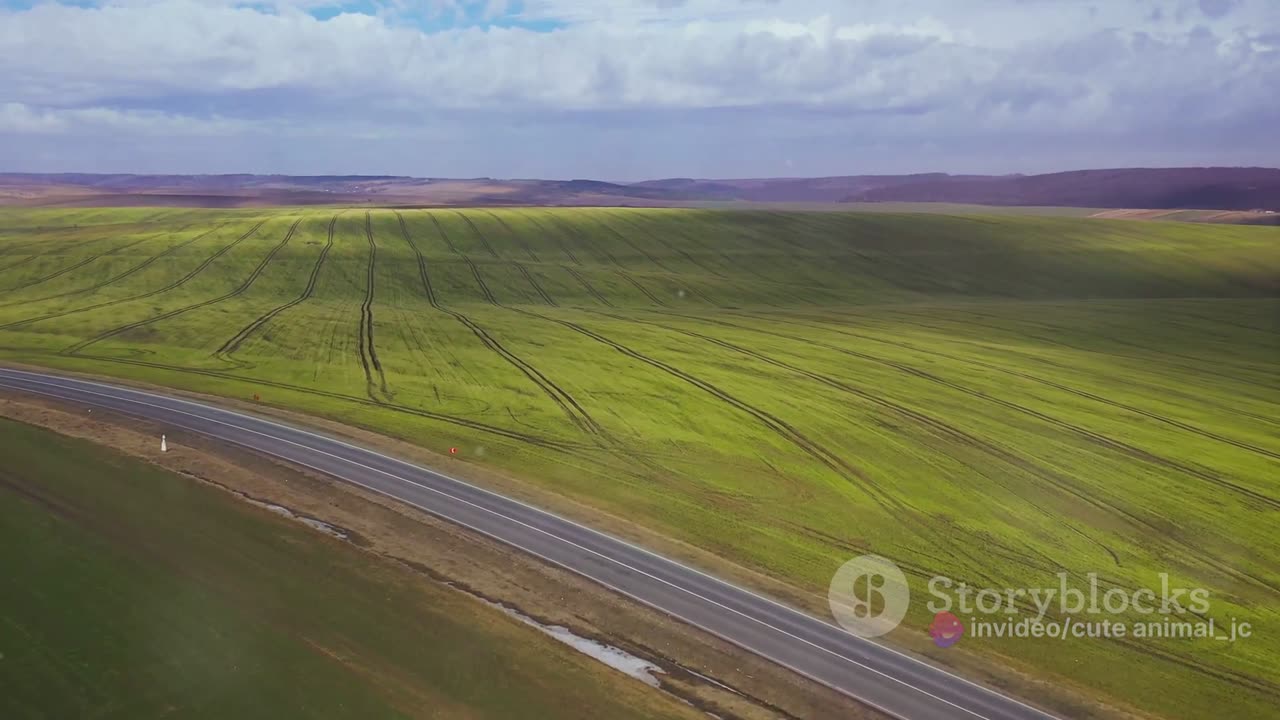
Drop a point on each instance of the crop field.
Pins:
(144, 594)
(997, 399)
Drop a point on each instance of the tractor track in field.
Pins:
(727, 259)
(920, 418)
(559, 239)
(177, 283)
(1094, 437)
(21, 249)
(686, 287)
(791, 245)
(583, 282)
(1224, 675)
(1095, 332)
(115, 278)
(483, 240)
(679, 250)
(1273, 331)
(1057, 386)
(1069, 390)
(484, 287)
(585, 240)
(63, 238)
(475, 271)
(558, 395)
(368, 350)
(450, 419)
(253, 276)
(777, 425)
(76, 266)
(887, 501)
(444, 235)
(636, 283)
(20, 263)
(1053, 478)
(1153, 356)
(541, 292)
(691, 290)
(627, 241)
(1044, 361)
(528, 249)
(821, 229)
(603, 439)
(1062, 484)
(230, 346)
(1113, 403)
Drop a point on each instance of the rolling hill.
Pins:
(1238, 189)
(994, 398)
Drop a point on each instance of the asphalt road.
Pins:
(890, 681)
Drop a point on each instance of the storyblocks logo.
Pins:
(869, 597)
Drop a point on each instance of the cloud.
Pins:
(18, 118)
(1218, 8)
(913, 73)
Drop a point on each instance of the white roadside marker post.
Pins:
(163, 446)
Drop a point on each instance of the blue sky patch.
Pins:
(472, 15)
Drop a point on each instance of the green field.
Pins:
(135, 593)
(993, 398)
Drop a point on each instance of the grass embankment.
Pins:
(996, 399)
(132, 592)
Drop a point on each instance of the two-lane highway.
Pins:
(893, 682)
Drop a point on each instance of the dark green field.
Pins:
(996, 399)
(134, 593)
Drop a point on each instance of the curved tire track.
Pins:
(558, 395)
(681, 251)
(514, 235)
(1090, 435)
(483, 240)
(116, 278)
(583, 281)
(627, 241)
(541, 292)
(652, 298)
(178, 283)
(559, 239)
(774, 423)
(922, 419)
(21, 262)
(475, 271)
(253, 276)
(247, 331)
(584, 240)
(453, 420)
(368, 350)
(76, 266)
(1053, 478)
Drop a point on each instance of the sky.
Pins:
(636, 89)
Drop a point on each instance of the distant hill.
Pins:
(812, 190)
(1153, 188)
(1234, 189)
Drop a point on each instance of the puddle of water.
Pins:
(616, 658)
(312, 523)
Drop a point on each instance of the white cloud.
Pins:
(56, 54)
(19, 118)
(917, 70)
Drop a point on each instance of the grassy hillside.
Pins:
(139, 593)
(997, 399)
